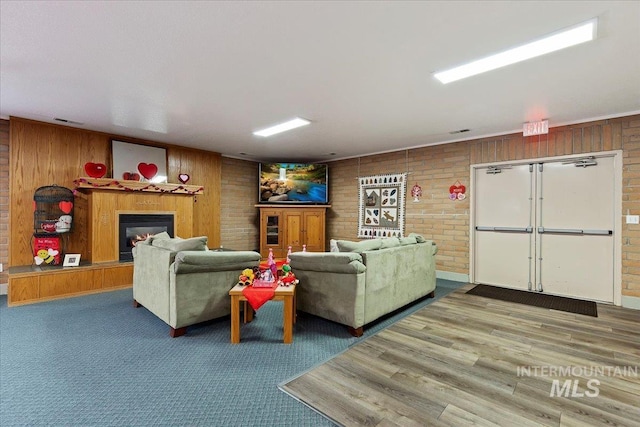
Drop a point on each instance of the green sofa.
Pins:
(365, 280)
(183, 282)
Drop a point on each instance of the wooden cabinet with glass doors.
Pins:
(295, 226)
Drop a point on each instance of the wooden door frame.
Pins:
(617, 231)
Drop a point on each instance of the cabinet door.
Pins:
(314, 231)
(294, 230)
(271, 232)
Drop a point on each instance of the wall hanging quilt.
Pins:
(381, 212)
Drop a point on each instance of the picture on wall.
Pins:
(381, 206)
(139, 162)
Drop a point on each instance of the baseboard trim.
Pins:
(631, 302)
(4, 288)
(455, 277)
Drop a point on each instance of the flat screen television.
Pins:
(293, 183)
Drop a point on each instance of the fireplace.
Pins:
(136, 227)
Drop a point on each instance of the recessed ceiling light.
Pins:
(575, 35)
(282, 127)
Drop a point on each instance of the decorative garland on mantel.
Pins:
(151, 187)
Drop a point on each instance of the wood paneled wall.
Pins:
(4, 199)
(46, 154)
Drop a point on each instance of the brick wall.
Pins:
(239, 222)
(4, 198)
(436, 168)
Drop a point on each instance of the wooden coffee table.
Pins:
(286, 294)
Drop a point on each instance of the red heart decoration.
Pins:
(65, 206)
(183, 178)
(95, 170)
(148, 170)
(455, 189)
(131, 176)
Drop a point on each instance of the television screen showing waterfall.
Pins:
(293, 183)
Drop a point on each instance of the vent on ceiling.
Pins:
(71, 122)
(459, 131)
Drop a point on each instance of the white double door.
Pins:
(546, 227)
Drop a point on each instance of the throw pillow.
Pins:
(333, 246)
(359, 247)
(178, 244)
(419, 238)
(409, 240)
(163, 235)
(389, 242)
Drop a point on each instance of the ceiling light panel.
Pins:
(282, 127)
(577, 34)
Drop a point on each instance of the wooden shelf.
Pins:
(30, 284)
(86, 183)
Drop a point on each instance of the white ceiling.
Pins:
(207, 74)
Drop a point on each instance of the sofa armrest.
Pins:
(330, 262)
(210, 261)
(332, 285)
(434, 247)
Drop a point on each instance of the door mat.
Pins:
(571, 305)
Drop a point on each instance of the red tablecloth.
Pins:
(258, 296)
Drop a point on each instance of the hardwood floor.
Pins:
(463, 361)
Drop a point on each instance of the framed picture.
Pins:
(71, 260)
(139, 162)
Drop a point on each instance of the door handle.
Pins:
(542, 230)
(598, 232)
(506, 229)
(514, 229)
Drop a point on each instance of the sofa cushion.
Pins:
(389, 242)
(419, 237)
(326, 257)
(334, 262)
(409, 240)
(359, 247)
(178, 244)
(207, 261)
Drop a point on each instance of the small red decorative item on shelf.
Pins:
(95, 170)
(131, 176)
(148, 170)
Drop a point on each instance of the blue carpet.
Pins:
(97, 361)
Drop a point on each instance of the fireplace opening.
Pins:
(136, 227)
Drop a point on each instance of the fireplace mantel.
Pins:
(86, 183)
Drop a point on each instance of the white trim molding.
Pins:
(454, 277)
(631, 302)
